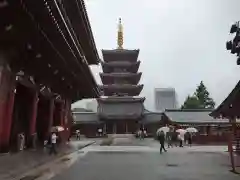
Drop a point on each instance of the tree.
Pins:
(200, 99)
(203, 96)
(191, 102)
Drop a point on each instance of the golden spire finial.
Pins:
(120, 34)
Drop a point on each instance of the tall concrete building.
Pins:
(165, 98)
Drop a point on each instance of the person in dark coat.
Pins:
(190, 139)
(161, 138)
(169, 139)
(175, 138)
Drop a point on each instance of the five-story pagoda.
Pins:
(120, 109)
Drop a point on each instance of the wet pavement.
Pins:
(143, 163)
(141, 160)
(13, 165)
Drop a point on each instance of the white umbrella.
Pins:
(57, 129)
(165, 129)
(191, 130)
(181, 131)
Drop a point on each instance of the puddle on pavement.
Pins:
(65, 159)
(172, 165)
(32, 177)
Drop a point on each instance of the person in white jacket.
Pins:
(181, 139)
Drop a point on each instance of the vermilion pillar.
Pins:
(62, 113)
(2, 107)
(32, 126)
(66, 122)
(50, 118)
(7, 116)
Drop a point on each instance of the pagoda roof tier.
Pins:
(110, 78)
(123, 99)
(120, 55)
(118, 89)
(132, 67)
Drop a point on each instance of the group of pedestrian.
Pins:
(142, 133)
(173, 138)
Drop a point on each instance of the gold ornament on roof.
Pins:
(120, 34)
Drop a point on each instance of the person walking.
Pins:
(175, 138)
(140, 134)
(190, 139)
(78, 134)
(169, 139)
(53, 144)
(161, 138)
(181, 139)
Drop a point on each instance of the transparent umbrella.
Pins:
(165, 129)
(181, 131)
(191, 130)
(57, 129)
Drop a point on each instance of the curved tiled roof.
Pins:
(192, 116)
(229, 107)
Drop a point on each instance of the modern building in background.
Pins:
(165, 98)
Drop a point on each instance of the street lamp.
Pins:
(234, 45)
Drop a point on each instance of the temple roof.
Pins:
(75, 11)
(113, 99)
(131, 90)
(152, 117)
(108, 67)
(131, 78)
(229, 108)
(86, 118)
(191, 116)
(37, 34)
(120, 55)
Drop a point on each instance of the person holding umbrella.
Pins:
(181, 136)
(53, 142)
(190, 131)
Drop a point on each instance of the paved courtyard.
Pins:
(145, 162)
(14, 165)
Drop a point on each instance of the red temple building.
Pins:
(229, 109)
(210, 130)
(46, 48)
(120, 111)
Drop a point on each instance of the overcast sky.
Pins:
(181, 42)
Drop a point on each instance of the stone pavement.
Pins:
(13, 165)
(142, 163)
